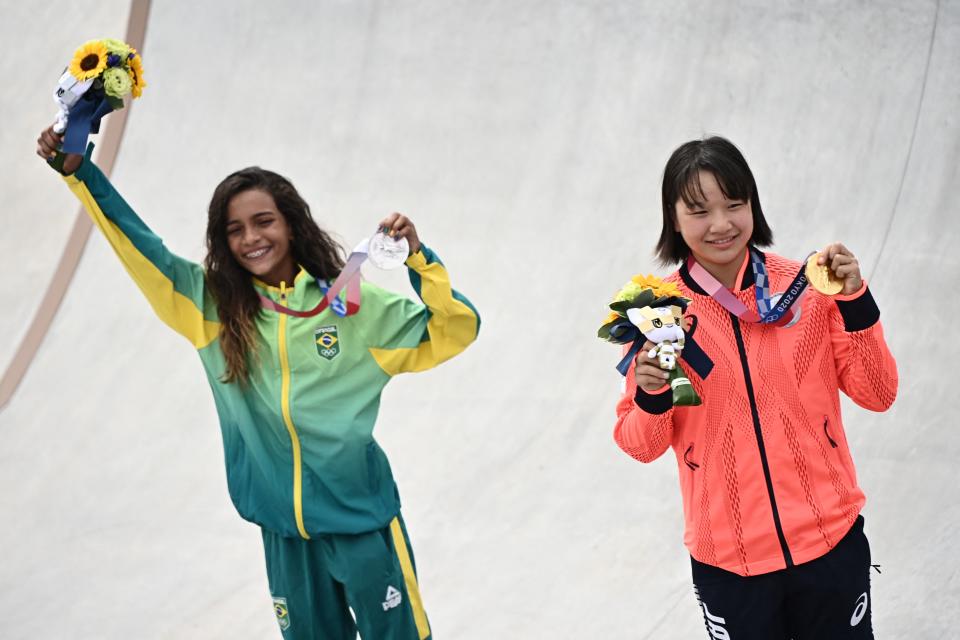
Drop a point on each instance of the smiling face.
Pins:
(716, 229)
(259, 237)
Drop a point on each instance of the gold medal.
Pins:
(822, 278)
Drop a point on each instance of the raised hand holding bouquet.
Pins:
(101, 74)
(647, 308)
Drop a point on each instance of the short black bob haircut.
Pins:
(681, 180)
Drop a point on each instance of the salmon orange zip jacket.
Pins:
(766, 474)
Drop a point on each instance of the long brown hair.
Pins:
(238, 304)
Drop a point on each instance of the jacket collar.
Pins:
(746, 273)
(275, 291)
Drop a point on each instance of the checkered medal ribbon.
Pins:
(778, 314)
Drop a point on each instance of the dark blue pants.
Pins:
(824, 599)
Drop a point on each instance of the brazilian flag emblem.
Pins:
(283, 614)
(328, 342)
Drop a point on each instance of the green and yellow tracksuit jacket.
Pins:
(298, 438)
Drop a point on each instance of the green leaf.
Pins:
(645, 299)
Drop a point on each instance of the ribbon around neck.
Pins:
(778, 314)
(348, 279)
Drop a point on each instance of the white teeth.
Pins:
(255, 254)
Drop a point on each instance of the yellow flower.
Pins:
(667, 289)
(659, 287)
(89, 60)
(610, 318)
(136, 74)
(647, 282)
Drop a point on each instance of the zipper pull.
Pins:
(827, 433)
(690, 463)
(283, 291)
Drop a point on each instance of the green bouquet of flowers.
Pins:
(100, 75)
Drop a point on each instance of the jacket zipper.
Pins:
(288, 421)
(741, 347)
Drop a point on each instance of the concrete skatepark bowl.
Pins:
(527, 141)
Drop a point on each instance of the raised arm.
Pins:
(405, 336)
(414, 337)
(866, 369)
(173, 286)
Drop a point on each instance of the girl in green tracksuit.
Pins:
(297, 390)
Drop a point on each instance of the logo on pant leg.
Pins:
(393, 598)
(282, 613)
(860, 610)
(715, 624)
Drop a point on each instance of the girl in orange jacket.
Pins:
(770, 494)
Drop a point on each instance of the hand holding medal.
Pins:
(389, 248)
(834, 270)
(395, 241)
(386, 252)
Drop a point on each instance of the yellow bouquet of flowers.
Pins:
(100, 75)
(647, 308)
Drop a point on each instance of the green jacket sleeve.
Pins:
(407, 336)
(174, 286)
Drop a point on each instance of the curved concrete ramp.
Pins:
(526, 139)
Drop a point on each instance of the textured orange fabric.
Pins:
(796, 375)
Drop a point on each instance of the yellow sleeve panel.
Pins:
(452, 322)
(177, 310)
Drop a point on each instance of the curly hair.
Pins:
(238, 304)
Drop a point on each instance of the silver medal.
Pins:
(385, 252)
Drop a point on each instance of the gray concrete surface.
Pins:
(526, 139)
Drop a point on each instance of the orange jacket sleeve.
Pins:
(644, 428)
(866, 369)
